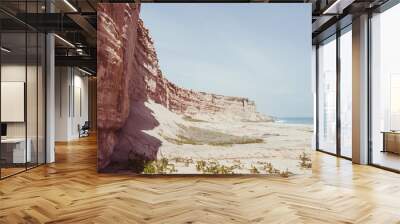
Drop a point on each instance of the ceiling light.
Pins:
(70, 5)
(5, 50)
(337, 7)
(84, 71)
(331, 7)
(65, 41)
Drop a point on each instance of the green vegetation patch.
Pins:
(213, 167)
(191, 119)
(199, 136)
(161, 166)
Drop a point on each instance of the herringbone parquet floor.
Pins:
(70, 191)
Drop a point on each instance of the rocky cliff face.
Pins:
(194, 104)
(128, 75)
(116, 38)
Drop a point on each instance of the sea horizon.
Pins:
(295, 120)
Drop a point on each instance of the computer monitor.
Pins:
(3, 129)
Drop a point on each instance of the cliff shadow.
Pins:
(134, 147)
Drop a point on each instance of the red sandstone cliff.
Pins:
(129, 75)
(199, 105)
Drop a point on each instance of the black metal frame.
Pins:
(338, 82)
(337, 34)
(316, 97)
(369, 81)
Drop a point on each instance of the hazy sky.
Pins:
(259, 51)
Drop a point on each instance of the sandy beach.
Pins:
(246, 147)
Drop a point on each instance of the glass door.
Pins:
(385, 89)
(327, 95)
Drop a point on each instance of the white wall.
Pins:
(9, 73)
(71, 102)
(62, 82)
(17, 73)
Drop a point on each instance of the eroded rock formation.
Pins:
(199, 105)
(116, 38)
(129, 75)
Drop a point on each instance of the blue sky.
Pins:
(259, 51)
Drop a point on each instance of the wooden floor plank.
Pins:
(71, 191)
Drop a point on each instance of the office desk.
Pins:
(13, 150)
(391, 141)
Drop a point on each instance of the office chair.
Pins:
(84, 130)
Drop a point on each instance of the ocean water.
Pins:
(296, 120)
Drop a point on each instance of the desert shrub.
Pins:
(237, 166)
(285, 173)
(216, 168)
(200, 164)
(149, 168)
(186, 161)
(171, 168)
(269, 168)
(305, 161)
(161, 166)
(254, 170)
(213, 167)
(276, 171)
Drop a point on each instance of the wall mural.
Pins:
(149, 125)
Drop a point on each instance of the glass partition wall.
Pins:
(334, 68)
(335, 91)
(327, 95)
(346, 71)
(22, 98)
(385, 89)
